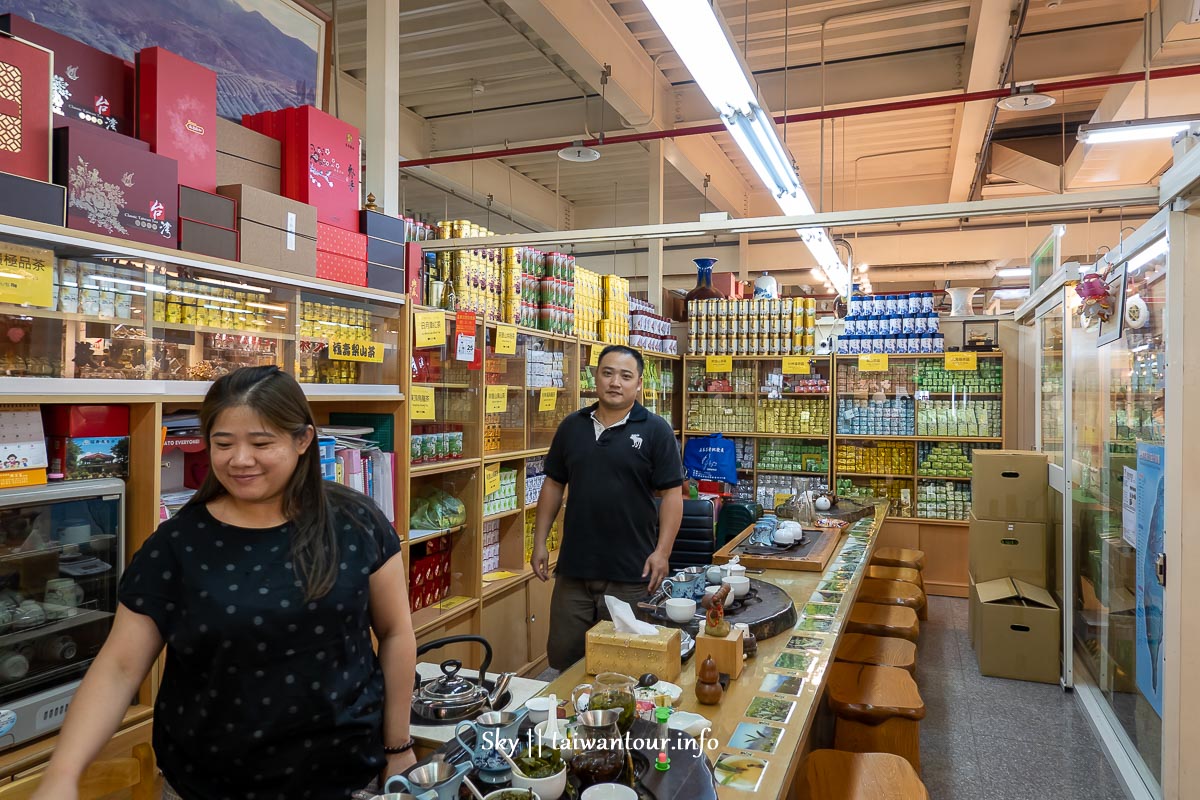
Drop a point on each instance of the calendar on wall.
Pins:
(23, 459)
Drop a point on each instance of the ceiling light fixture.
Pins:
(701, 43)
(1135, 130)
(1014, 272)
(1148, 254)
(579, 154)
(1024, 98)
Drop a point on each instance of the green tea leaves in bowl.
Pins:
(540, 761)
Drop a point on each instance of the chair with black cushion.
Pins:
(696, 541)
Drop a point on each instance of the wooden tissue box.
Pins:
(727, 652)
(633, 654)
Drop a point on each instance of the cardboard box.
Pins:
(115, 187)
(247, 157)
(1018, 631)
(610, 651)
(332, 267)
(276, 233)
(207, 207)
(89, 85)
(377, 225)
(388, 279)
(414, 272)
(177, 114)
(998, 549)
(25, 109)
(85, 421)
(208, 240)
(32, 200)
(1010, 485)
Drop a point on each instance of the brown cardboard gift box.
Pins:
(276, 233)
(247, 157)
(1017, 631)
(633, 654)
(1010, 485)
(1002, 549)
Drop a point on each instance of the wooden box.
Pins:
(633, 654)
(727, 652)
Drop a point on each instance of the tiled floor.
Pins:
(994, 739)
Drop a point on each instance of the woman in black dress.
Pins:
(265, 589)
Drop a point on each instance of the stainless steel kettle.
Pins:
(452, 697)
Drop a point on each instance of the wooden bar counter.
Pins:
(765, 680)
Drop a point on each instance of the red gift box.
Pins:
(115, 188)
(88, 85)
(333, 267)
(342, 242)
(25, 109)
(85, 421)
(177, 114)
(321, 160)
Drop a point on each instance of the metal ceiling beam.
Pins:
(588, 35)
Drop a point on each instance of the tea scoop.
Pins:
(471, 786)
(552, 722)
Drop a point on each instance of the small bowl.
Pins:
(608, 791)
(711, 590)
(526, 795)
(782, 537)
(739, 585)
(680, 609)
(539, 709)
(540, 737)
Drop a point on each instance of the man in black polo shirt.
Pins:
(615, 456)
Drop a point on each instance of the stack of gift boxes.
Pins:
(429, 575)
(137, 151)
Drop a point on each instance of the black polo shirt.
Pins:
(611, 521)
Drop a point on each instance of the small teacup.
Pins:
(680, 609)
(783, 536)
(29, 615)
(739, 585)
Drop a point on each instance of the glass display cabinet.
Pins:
(504, 397)
(445, 407)
(549, 396)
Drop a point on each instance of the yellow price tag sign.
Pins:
(594, 361)
(27, 275)
(430, 327)
(547, 399)
(873, 362)
(650, 394)
(491, 479)
(797, 365)
(506, 340)
(368, 352)
(421, 401)
(718, 364)
(781, 498)
(452, 602)
(498, 575)
(495, 400)
(961, 362)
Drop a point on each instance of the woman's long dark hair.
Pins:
(279, 401)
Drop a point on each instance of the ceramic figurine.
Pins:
(708, 683)
(715, 623)
(1097, 301)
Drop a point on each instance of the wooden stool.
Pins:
(878, 651)
(837, 775)
(893, 593)
(877, 620)
(898, 557)
(897, 574)
(879, 710)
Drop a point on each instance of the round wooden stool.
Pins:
(899, 557)
(879, 710)
(878, 651)
(897, 574)
(877, 620)
(837, 775)
(893, 593)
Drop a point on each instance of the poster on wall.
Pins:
(268, 54)
(1151, 525)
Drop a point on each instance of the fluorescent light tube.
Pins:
(1010, 294)
(1014, 272)
(700, 42)
(1134, 130)
(1148, 254)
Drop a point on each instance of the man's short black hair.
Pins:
(622, 350)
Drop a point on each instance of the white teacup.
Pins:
(739, 585)
(680, 609)
(732, 570)
(783, 536)
(711, 590)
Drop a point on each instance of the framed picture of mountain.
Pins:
(268, 54)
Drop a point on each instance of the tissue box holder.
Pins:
(633, 654)
(726, 652)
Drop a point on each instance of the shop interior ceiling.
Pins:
(482, 75)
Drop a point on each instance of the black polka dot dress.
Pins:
(265, 695)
